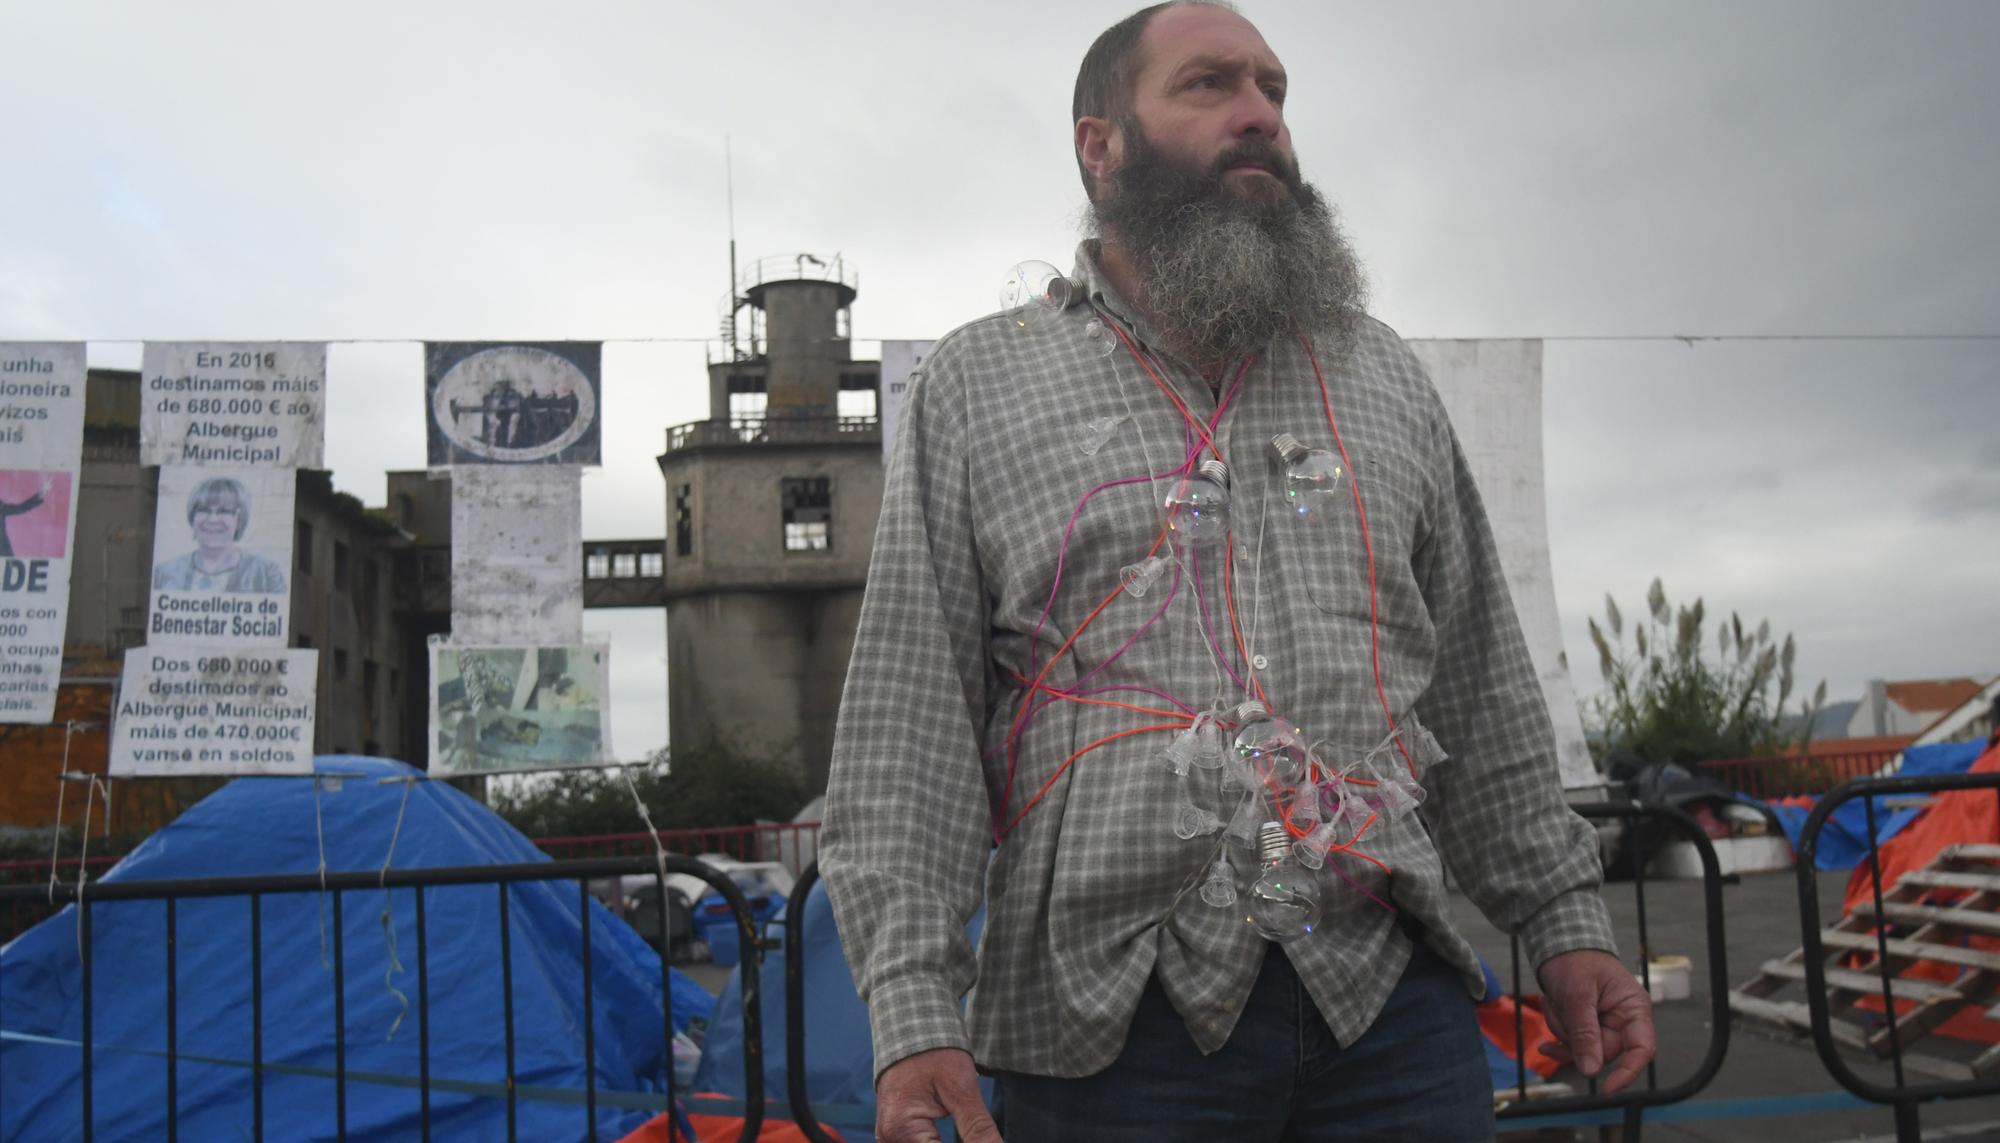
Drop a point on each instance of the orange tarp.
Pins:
(722, 1129)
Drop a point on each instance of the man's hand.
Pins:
(1598, 1012)
(915, 1092)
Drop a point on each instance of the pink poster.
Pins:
(34, 514)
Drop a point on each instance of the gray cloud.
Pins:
(500, 170)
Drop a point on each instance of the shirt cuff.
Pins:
(1573, 920)
(914, 1014)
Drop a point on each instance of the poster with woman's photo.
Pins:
(502, 403)
(222, 557)
(498, 709)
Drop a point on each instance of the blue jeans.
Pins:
(1419, 1073)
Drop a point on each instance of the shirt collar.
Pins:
(1098, 290)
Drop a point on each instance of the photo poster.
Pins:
(188, 710)
(41, 453)
(506, 709)
(516, 555)
(222, 559)
(901, 360)
(233, 404)
(502, 403)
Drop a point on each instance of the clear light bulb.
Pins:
(1103, 343)
(1271, 750)
(1310, 850)
(1198, 506)
(1139, 578)
(1284, 903)
(1209, 750)
(1220, 888)
(1033, 291)
(1091, 434)
(1191, 821)
(1313, 487)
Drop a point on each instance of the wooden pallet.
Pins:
(1921, 929)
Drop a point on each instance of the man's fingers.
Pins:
(1579, 1020)
(967, 1108)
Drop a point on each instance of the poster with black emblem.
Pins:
(513, 402)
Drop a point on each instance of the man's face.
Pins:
(1209, 98)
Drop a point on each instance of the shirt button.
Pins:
(1259, 662)
(1243, 555)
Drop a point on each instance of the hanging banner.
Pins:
(214, 710)
(1492, 390)
(222, 545)
(516, 555)
(233, 403)
(501, 403)
(497, 709)
(41, 447)
(901, 361)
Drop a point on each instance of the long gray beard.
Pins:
(1222, 277)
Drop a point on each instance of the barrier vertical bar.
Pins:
(339, 1022)
(173, 1033)
(423, 1019)
(83, 954)
(667, 986)
(257, 1016)
(1520, 1031)
(589, 1016)
(507, 1009)
(1638, 860)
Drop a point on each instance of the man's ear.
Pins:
(1100, 147)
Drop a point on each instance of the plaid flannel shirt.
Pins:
(1088, 896)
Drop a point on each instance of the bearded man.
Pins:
(1207, 499)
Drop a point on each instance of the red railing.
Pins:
(1786, 776)
(794, 844)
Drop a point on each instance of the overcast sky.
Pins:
(396, 172)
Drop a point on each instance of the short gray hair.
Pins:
(1104, 80)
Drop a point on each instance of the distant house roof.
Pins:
(1932, 696)
(1832, 720)
(1869, 745)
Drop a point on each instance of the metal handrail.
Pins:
(1902, 1096)
(255, 888)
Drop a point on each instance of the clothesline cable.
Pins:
(1684, 338)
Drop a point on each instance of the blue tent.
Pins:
(269, 826)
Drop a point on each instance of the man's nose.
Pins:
(1254, 114)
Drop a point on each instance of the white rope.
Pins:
(659, 847)
(62, 788)
(395, 966)
(319, 832)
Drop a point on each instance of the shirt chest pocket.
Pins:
(1329, 553)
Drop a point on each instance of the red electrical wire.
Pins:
(1367, 545)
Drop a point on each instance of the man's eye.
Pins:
(1275, 95)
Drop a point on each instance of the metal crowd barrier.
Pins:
(1632, 1102)
(1635, 1099)
(501, 877)
(1903, 1096)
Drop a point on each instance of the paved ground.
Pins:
(1760, 922)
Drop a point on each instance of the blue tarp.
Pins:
(267, 826)
(1843, 841)
(840, 1053)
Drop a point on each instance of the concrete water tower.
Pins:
(771, 508)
